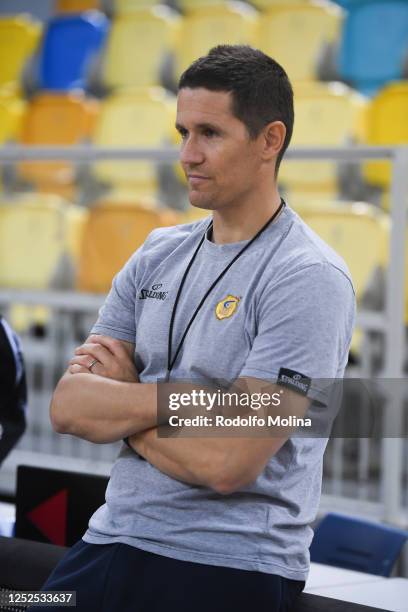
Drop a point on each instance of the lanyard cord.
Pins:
(170, 361)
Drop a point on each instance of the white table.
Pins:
(386, 593)
(326, 576)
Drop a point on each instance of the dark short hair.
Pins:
(260, 88)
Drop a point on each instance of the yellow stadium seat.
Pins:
(188, 5)
(55, 120)
(266, 4)
(145, 36)
(207, 26)
(113, 232)
(18, 39)
(76, 6)
(36, 232)
(141, 118)
(191, 5)
(293, 34)
(125, 7)
(358, 232)
(40, 240)
(325, 115)
(11, 114)
(386, 124)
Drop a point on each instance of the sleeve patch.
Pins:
(294, 380)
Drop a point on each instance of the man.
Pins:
(255, 299)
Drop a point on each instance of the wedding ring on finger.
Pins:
(91, 365)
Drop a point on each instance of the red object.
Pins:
(50, 517)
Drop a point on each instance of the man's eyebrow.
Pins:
(200, 126)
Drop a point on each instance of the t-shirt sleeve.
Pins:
(117, 315)
(304, 326)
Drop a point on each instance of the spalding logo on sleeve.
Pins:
(226, 307)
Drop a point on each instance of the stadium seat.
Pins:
(326, 115)
(386, 124)
(357, 544)
(266, 4)
(145, 35)
(138, 118)
(294, 34)
(112, 233)
(358, 232)
(126, 7)
(131, 7)
(40, 242)
(55, 119)
(189, 5)
(374, 43)
(39, 238)
(71, 43)
(18, 39)
(206, 26)
(76, 6)
(11, 114)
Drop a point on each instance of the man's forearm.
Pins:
(191, 461)
(149, 446)
(223, 464)
(228, 463)
(101, 409)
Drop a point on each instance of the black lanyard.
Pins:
(170, 361)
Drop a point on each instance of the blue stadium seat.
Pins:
(345, 3)
(374, 43)
(70, 44)
(357, 544)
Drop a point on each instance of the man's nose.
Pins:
(190, 153)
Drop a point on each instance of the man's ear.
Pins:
(273, 137)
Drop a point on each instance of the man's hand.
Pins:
(114, 359)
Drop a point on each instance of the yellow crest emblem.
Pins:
(226, 307)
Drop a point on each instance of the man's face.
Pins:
(219, 159)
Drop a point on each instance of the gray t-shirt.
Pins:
(296, 311)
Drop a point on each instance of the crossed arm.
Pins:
(109, 403)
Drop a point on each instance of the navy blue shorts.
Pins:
(121, 578)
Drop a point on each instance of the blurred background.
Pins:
(88, 76)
